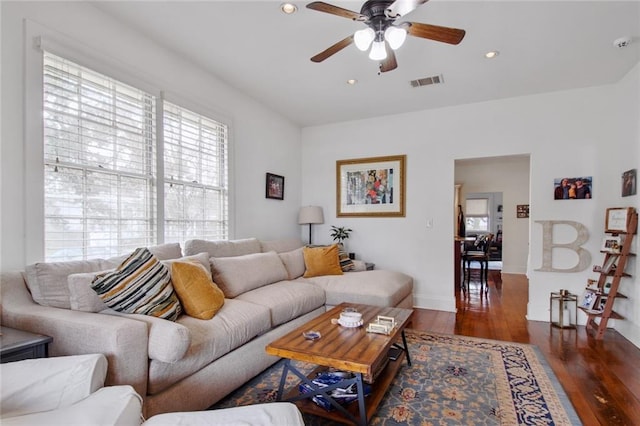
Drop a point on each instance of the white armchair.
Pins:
(69, 390)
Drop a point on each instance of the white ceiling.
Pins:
(544, 46)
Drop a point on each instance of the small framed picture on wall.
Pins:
(275, 187)
(629, 183)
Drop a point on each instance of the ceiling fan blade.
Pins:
(434, 32)
(389, 63)
(401, 7)
(321, 6)
(333, 49)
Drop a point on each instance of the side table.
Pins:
(16, 345)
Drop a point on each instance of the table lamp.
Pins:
(309, 215)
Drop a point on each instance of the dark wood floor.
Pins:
(601, 377)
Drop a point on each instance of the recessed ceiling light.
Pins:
(352, 81)
(288, 8)
(492, 54)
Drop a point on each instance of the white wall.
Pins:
(262, 141)
(510, 176)
(572, 133)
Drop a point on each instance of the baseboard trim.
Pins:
(435, 303)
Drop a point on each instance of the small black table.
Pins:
(16, 345)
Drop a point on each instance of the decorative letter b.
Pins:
(584, 257)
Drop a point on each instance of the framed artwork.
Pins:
(629, 183)
(371, 187)
(575, 188)
(610, 244)
(602, 301)
(588, 299)
(275, 187)
(522, 211)
(617, 219)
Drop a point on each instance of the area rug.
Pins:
(453, 380)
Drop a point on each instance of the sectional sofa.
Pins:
(189, 364)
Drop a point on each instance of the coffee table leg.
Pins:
(406, 348)
(283, 379)
(361, 405)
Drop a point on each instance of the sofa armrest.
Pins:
(123, 341)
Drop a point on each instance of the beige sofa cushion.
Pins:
(47, 281)
(222, 248)
(281, 246)
(81, 296)
(234, 325)
(236, 275)
(294, 263)
(168, 340)
(286, 300)
(378, 287)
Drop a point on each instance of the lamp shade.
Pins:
(310, 214)
(395, 36)
(378, 51)
(363, 38)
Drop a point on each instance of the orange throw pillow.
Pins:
(321, 261)
(200, 297)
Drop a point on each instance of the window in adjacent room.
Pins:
(477, 215)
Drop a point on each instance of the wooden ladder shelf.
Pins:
(597, 318)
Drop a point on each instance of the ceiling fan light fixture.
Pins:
(363, 38)
(378, 51)
(395, 36)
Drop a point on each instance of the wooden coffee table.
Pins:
(345, 349)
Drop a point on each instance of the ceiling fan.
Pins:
(382, 33)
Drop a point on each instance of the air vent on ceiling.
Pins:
(436, 79)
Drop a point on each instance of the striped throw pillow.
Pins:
(345, 261)
(140, 285)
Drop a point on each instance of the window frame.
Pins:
(40, 38)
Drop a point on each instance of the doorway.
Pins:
(510, 177)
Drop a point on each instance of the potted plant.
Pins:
(340, 234)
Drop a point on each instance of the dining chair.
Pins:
(478, 252)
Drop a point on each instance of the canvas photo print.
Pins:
(575, 188)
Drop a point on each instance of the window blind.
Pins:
(195, 175)
(477, 207)
(99, 160)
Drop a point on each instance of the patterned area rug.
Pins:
(453, 380)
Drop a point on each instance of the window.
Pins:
(100, 179)
(477, 218)
(195, 176)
